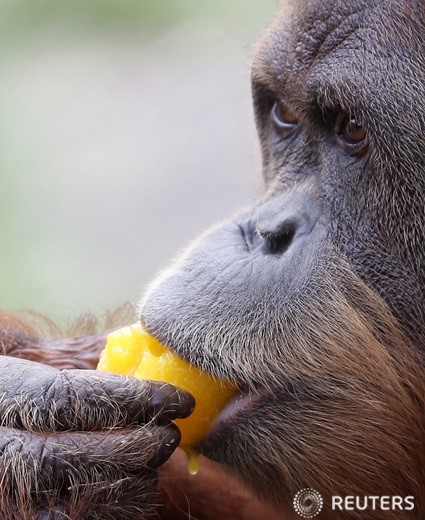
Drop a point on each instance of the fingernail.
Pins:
(170, 440)
(186, 405)
(170, 402)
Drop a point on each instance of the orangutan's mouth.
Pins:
(236, 411)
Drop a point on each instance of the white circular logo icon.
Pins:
(308, 503)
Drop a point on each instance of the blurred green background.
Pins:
(126, 128)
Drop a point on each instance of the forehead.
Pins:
(312, 41)
(319, 28)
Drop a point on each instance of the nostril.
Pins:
(279, 240)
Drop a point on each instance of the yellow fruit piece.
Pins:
(132, 351)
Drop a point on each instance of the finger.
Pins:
(41, 398)
(102, 399)
(40, 466)
(59, 454)
(73, 474)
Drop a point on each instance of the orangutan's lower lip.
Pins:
(241, 404)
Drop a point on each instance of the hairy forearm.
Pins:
(78, 352)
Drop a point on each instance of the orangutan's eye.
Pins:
(284, 119)
(351, 135)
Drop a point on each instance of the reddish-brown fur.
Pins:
(373, 442)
